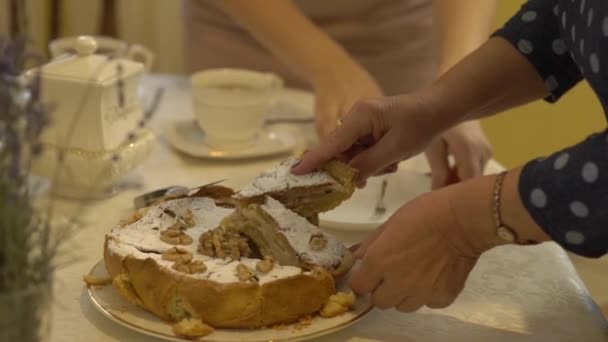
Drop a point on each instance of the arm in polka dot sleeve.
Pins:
(567, 195)
(536, 31)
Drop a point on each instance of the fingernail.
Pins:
(296, 164)
(354, 247)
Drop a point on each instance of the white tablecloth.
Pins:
(514, 294)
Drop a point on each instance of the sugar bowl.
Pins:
(96, 135)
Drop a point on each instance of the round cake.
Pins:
(209, 259)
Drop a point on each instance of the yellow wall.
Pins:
(541, 128)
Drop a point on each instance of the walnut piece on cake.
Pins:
(317, 241)
(244, 273)
(191, 327)
(177, 254)
(174, 236)
(222, 244)
(265, 265)
(338, 304)
(188, 218)
(136, 216)
(191, 267)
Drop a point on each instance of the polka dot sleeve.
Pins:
(566, 195)
(536, 33)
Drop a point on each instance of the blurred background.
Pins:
(517, 136)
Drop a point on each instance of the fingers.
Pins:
(355, 125)
(375, 158)
(467, 164)
(387, 296)
(410, 304)
(437, 156)
(363, 246)
(366, 278)
(368, 275)
(470, 148)
(389, 169)
(451, 284)
(354, 248)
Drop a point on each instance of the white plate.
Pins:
(110, 303)
(186, 136)
(357, 213)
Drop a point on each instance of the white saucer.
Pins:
(357, 213)
(186, 136)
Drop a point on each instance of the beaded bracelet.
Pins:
(504, 232)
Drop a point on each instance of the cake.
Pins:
(316, 192)
(213, 258)
(289, 238)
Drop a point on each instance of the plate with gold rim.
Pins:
(187, 137)
(111, 304)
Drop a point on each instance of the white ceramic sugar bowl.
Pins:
(94, 139)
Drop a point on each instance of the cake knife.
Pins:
(148, 198)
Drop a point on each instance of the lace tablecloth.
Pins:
(514, 293)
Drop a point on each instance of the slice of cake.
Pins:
(288, 237)
(307, 195)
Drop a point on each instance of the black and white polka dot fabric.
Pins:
(567, 193)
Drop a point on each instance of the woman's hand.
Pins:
(420, 256)
(338, 91)
(470, 148)
(378, 133)
(424, 253)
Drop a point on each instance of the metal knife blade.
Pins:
(150, 197)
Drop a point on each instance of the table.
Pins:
(514, 293)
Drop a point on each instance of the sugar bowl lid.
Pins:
(88, 67)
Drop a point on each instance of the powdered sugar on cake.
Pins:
(298, 232)
(280, 178)
(141, 240)
(218, 270)
(144, 234)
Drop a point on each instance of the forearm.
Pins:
(490, 80)
(282, 28)
(461, 26)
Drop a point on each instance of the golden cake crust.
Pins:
(229, 305)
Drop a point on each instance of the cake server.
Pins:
(148, 198)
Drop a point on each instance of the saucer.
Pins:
(186, 136)
(357, 213)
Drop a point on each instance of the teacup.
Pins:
(230, 105)
(105, 46)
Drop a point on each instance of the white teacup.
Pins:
(105, 46)
(230, 105)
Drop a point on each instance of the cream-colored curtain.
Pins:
(38, 18)
(157, 24)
